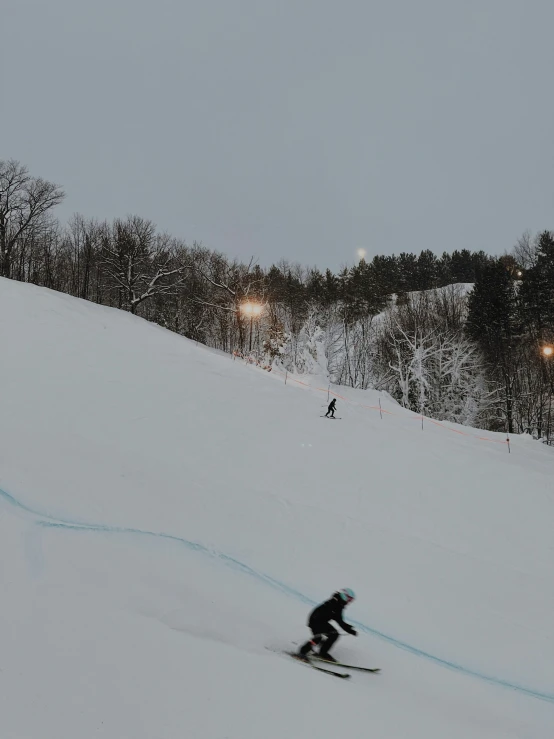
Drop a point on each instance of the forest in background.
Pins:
(464, 336)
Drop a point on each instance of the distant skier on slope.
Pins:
(323, 633)
(331, 408)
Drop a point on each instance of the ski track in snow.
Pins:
(43, 519)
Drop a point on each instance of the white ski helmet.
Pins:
(347, 595)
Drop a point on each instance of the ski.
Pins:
(333, 418)
(306, 661)
(342, 664)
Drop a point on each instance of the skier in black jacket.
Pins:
(331, 408)
(323, 633)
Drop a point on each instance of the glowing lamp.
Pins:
(253, 310)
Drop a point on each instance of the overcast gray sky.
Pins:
(303, 129)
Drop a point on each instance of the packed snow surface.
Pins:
(168, 516)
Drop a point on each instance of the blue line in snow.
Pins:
(59, 523)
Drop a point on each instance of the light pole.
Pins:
(252, 310)
(547, 352)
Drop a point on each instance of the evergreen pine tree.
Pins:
(537, 291)
(426, 271)
(492, 323)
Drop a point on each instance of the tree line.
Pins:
(458, 336)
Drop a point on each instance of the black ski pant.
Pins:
(323, 633)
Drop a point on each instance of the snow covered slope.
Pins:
(168, 515)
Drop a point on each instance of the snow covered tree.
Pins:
(424, 361)
(274, 344)
(140, 262)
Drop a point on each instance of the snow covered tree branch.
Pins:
(140, 262)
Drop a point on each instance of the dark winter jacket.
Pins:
(333, 403)
(331, 610)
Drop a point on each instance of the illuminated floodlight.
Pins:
(252, 310)
(548, 351)
(361, 253)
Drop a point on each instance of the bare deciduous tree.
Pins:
(525, 250)
(140, 262)
(24, 202)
